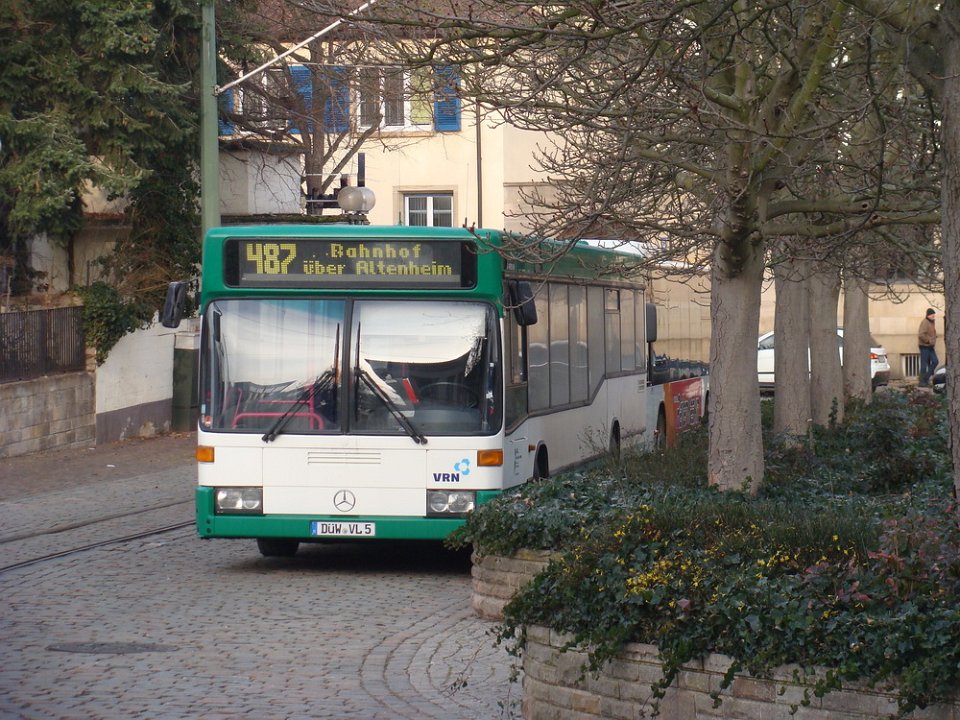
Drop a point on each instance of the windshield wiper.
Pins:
(391, 406)
(306, 395)
(323, 382)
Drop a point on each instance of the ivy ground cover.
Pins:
(846, 563)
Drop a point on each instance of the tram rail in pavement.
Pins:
(172, 626)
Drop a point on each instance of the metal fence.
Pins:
(34, 343)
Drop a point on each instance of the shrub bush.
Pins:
(848, 558)
(107, 317)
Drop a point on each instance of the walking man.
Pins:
(927, 340)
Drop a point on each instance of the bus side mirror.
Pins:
(174, 304)
(651, 323)
(521, 298)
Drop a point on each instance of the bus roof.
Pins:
(344, 229)
(582, 261)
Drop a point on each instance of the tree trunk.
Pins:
(791, 411)
(856, 340)
(314, 157)
(736, 443)
(950, 209)
(317, 182)
(826, 380)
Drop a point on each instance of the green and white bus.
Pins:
(361, 382)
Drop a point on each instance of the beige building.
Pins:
(472, 171)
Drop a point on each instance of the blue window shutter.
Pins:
(336, 108)
(302, 81)
(226, 104)
(446, 103)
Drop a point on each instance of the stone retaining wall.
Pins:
(553, 689)
(46, 413)
(496, 579)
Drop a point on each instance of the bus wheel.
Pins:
(277, 547)
(660, 440)
(541, 468)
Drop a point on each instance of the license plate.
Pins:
(343, 529)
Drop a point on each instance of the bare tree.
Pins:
(706, 129)
(884, 153)
(930, 32)
(791, 324)
(826, 380)
(857, 342)
(306, 102)
(949, 45)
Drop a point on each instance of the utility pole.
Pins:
(209, 128)
(209, 91)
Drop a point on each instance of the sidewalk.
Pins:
(41, 472)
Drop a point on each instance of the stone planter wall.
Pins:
(496, 579)
(554, 690)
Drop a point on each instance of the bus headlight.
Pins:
(239, 501)
(450, 502)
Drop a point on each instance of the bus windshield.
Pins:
(400, 367)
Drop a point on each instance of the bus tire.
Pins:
(660, 439)
(277, 547)
(541, 466)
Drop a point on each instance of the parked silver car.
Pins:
(879, 365)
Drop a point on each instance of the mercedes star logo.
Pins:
(344, 500)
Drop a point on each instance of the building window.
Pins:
(559, 344)
(395, 99)
(611, 323)
(391, 99)
(417, 99)
(428, 210)
(368, 97)
(265, 108)
(281, 100)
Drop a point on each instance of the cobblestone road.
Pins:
(171, 626)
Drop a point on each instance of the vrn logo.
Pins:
(459, 468)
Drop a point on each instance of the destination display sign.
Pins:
(374, 263)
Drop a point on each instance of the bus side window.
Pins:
(515, 358)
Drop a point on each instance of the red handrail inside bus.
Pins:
(316, 422)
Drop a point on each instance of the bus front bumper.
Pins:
(323, 528)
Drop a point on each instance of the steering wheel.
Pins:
(455, 390)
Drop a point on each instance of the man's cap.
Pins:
(931, 311)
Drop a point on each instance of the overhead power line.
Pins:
(219, 90)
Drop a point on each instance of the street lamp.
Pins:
(356, 202)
